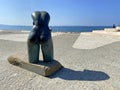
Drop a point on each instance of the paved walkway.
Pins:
(92, 40)
(84, 69)
(20, 37)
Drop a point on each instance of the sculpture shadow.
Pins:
(86, 75)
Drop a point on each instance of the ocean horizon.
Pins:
(56, 28)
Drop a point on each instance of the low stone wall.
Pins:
(110, 29)
(118, 28)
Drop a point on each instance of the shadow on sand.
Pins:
(86, 75)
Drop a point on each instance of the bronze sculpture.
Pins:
(40, 35)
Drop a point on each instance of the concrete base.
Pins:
(42, 68)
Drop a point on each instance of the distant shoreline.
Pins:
(55, 28)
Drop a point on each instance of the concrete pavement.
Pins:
(84, 69)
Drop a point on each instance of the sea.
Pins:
(56, 28)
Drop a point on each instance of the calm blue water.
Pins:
(57, 28)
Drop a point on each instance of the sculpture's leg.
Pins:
(47, 50)
(33, 52)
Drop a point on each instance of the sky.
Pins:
(62, 12)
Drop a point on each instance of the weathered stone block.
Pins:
(42, 68)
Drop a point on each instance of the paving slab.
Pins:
(92, 40)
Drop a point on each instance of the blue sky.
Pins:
(62, 12)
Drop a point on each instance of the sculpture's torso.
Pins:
(40, 31)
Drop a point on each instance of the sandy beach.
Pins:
(91, 62)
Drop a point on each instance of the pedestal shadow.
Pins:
(86, 75)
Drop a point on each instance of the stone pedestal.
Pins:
(42, 68)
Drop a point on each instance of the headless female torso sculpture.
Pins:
(40, 35)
